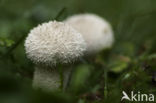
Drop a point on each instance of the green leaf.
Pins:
(6, 42)
(80, 77)
(119, 66)
(9, 42)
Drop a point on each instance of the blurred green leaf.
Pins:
(80, 78)
(152, 56)
(81, 101)
(6, 42)
(119, 66)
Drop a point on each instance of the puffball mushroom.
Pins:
(49, 44)
(96, 31)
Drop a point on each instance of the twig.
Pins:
(14, 46)
(60, 13)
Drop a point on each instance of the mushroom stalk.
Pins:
(50, 79)
(46, 78)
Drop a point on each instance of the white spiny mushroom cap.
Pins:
(96, 31)
(54, 42)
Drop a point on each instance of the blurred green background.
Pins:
(129, 65)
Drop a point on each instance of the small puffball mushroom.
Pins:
(49, 44)
(96, 31)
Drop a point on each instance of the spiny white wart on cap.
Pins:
(96, 31)
(54, 42)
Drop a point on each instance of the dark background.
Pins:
(129, 65)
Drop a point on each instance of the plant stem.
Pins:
(105, 82)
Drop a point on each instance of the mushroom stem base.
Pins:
(46, 78)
